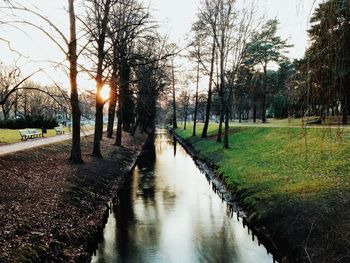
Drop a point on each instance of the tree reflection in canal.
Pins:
(169, 213)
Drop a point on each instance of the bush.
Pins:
(28, 122)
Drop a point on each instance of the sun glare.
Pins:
(105, 92)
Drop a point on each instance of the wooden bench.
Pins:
(59, 130)
(30, 134)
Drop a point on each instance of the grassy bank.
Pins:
(295, 181)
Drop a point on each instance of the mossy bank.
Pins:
(293, 181)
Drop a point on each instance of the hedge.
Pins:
(28, 122)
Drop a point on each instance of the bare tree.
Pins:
(68, 48)
(196, 54)
(129, 25)
(208, 22)
(173, 94)
(97, 26)
(244, 27)
(73, 72)
(184, 103)
(225, 26)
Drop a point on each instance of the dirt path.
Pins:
(33, 143)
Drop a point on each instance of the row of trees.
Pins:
(118, 46)
(250, 74)
(226, 39)
(32, 99)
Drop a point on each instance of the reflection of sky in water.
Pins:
(168, 213)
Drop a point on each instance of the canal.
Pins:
(168, 212)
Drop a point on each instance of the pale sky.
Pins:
(293, 15)
(175, 19)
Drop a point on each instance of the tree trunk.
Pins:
(345, 107)
(99, 82)
(121, 100)
(174, 97)
(15, 106)
(112, 107)
(74, 98)
(263, 97)
(263, 108)
(227, 117)
(118, 137)
(98, 121)
(211, 75)
(254, 112)
(221, 120)
(196, 103)
(227, 127)
(221, 94)
(4, 112)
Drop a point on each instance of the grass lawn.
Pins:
(295, 181)
(12, 136)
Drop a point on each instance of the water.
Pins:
(169, 213)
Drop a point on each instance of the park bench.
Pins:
(59, 130)
(30, 134)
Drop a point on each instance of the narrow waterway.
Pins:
(168, 212)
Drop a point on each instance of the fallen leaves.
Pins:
(49, 209)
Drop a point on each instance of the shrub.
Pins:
(28, 122)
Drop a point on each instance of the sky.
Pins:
(175, 19)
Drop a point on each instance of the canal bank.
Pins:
(299, 198)
(53, 211)
(221, 188)
(169, 211)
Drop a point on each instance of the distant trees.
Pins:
(229, 28)
(9, 79)
(173, 92)
(184, 103)
(327, 61)
(152, 79)
(11, 83)
(264, 48)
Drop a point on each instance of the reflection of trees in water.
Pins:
(146, 165)
(175, 144)
(127, 224)
(148, 157)
(124, 213)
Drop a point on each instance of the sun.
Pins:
(105, 92)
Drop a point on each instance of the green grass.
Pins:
(8, 136)
(212, 129)
(12, 136)
(279, 160)
(278, 172)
